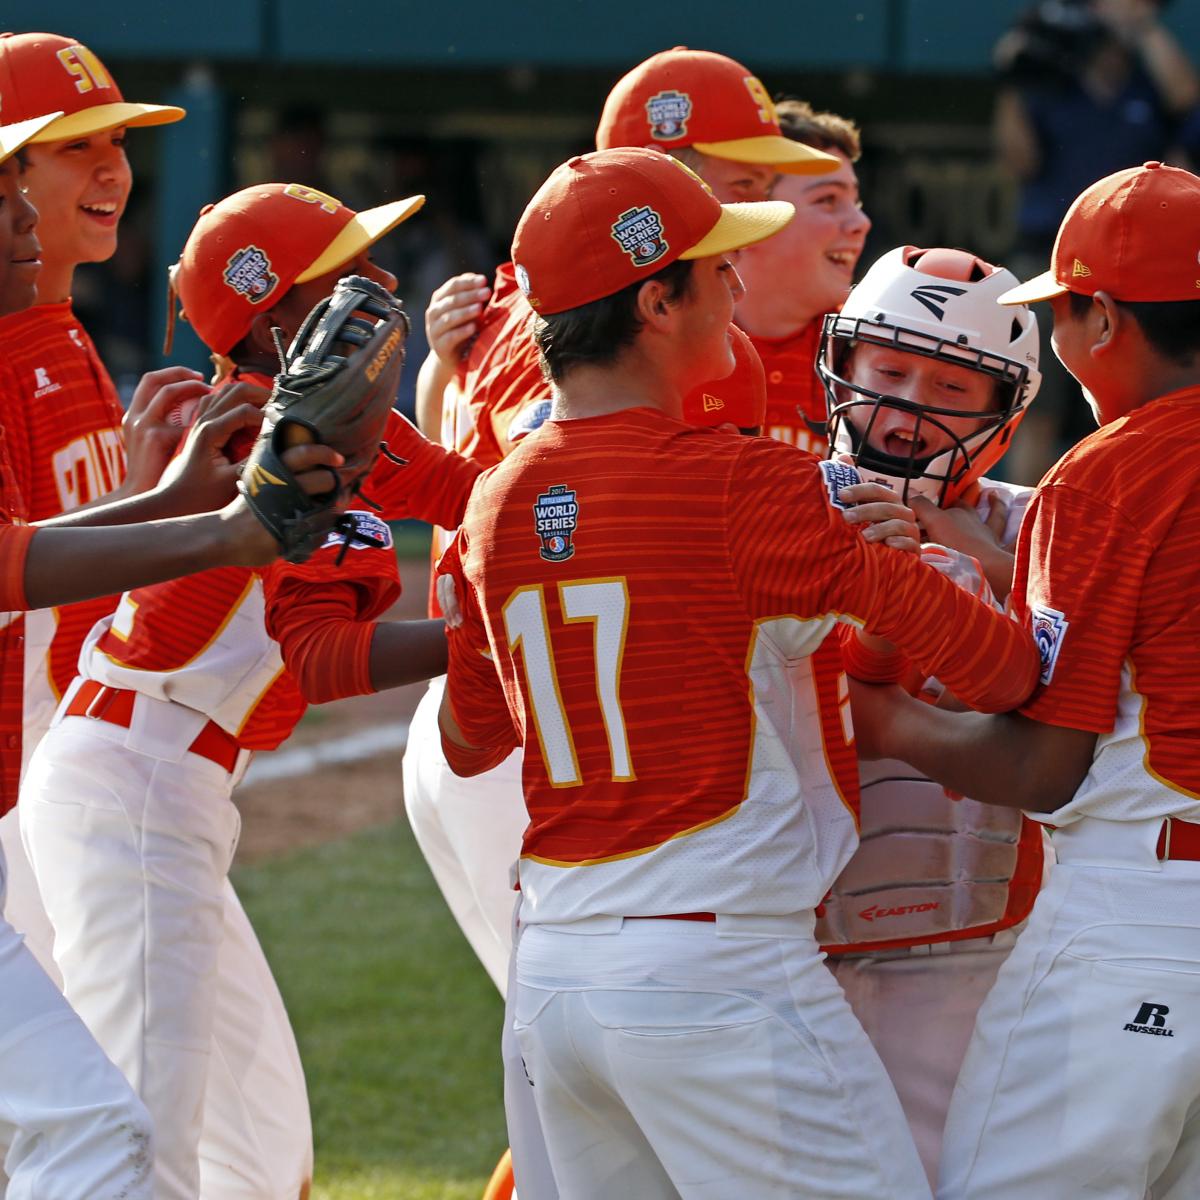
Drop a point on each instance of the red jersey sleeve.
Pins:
(432, 483)
(1079, 574)
(322, 613)
(477, 696)
(14, 550)
(794, 553)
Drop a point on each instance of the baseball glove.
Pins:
(336, 386)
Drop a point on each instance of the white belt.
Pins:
(801, 924)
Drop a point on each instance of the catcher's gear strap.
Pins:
(337, 386)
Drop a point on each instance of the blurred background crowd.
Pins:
(980, 124)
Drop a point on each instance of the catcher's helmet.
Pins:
(940, 304)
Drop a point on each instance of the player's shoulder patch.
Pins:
(1049, 627)
(532, 417)
(838, 475)
(360, 531)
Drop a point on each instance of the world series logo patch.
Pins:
(556, 515)
(1049, 627)
(668, 114)
(249, 273)
(838, 475)
(639, 232)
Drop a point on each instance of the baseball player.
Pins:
(713, 113)
(1080, 1078)
(794, 279)
(71, 1124)
(178, 687)
(698, 1046)
(58, 405)
(927, 380)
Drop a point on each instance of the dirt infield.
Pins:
(333, 800)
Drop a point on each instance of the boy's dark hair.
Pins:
(1172, 327)
(596, 333)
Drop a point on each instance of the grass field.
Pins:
(398, 1024)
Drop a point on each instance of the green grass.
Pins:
(397, 1022)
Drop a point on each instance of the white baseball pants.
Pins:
(469, 831)
(71, 1124)
(1083, 1075)
(131, 854)
(918, 1007)
(704, 1061)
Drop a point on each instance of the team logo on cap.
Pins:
(639, 232)
(249, 273)
(668, 114)
(555, 515)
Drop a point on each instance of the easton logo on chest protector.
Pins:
(639, 232)
(668, 114)
(556, 515)
(249, 273)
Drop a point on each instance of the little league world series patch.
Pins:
(249, 273)
(838, 475)
(668, 114)
(639, 232)
(1049, 627)
(555, 516)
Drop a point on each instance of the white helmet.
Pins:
(941, 304)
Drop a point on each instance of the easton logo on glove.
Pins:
(337, 386)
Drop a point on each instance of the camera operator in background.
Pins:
(1086, 87)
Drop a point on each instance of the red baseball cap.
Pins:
(244, 253)
(43, 72)
(605, 220)
(685, 97)
(1134, 234)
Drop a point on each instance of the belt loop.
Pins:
(100, 703)
(1164, 840)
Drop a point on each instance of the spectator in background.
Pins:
(1087, 87)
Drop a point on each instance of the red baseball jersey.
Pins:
(202, 640)
(795, 394)
(1107, 579)
(647, 608)
(62, 423)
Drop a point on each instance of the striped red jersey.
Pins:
(202, 640)
(657, 600)
(1108, 580)
(62, 423)
(795, 394)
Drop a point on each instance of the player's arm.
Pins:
(1006, 759)
(428, 483)
(324, 615)
(143, 540)
(1080, 566)
(476, 725)
(451, 320)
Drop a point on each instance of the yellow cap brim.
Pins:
(742, 225)
(363, 230)
(108, 116)
(773, 150)
(21, 133)
(1041, 287)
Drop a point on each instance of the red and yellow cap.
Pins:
(605, 220)
(43, 73)
(244, 253)
(1135, 235)
(685, 97)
